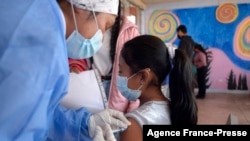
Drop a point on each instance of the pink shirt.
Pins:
(200, 59)
(116, 100)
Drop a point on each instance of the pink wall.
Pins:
(220, 70)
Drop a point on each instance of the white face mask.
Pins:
(81, 48)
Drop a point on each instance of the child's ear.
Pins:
(146, 75)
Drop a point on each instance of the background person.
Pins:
(200, 62)
(106, 60)
(122, 31)
(186, 42)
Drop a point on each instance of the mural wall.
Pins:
(223, 29)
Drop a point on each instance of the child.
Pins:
(144, 64)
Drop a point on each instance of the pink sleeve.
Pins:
(116, 100)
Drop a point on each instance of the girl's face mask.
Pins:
(122, 84)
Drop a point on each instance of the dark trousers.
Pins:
(201, 80)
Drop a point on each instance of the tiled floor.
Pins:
(215, 108)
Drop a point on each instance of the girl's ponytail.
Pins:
(182, 106)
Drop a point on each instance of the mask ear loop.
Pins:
(148, 69)
(94, 14)
(140, 86)
(74, 16)
(131, 76)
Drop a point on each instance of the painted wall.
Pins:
(223, 28)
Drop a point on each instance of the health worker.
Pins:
(36, 39)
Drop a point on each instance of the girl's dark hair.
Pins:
(115, 30)
(199, 47)
(183, 106)
(147, 51)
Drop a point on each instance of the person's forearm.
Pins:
(70, 124)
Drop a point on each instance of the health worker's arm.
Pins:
(33, 68)
(70, 125)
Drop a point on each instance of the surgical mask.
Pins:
(179, 37)
(81, 48)
(122, 84)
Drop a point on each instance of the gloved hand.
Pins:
(104, 135)
(115, 119)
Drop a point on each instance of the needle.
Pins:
(119, 130)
